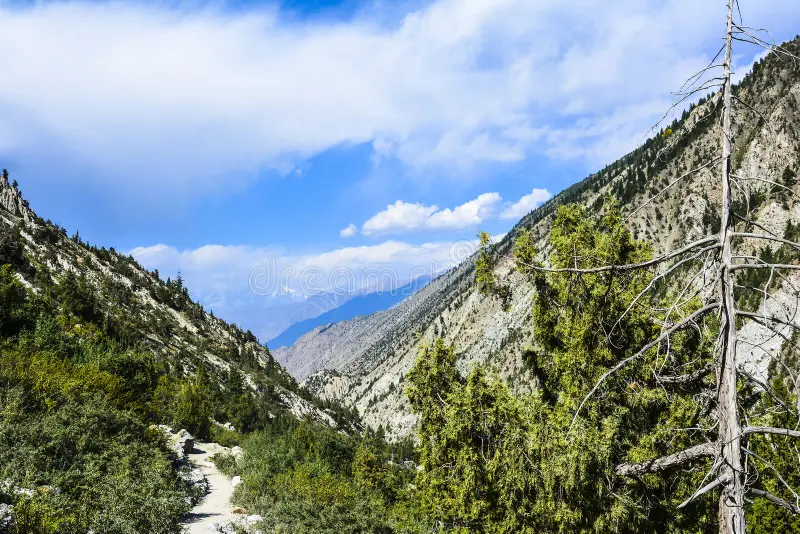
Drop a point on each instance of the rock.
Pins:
(184, 442)
(6, 517)
(255, 518)
(196, 481)
(226, 426)
(236, 452)
(7, 487)
(238, 510)
(221, 528)
(235, 481)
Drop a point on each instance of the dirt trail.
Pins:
(216, 506)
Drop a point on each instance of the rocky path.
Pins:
(215, 509)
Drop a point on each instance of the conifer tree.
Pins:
(737, 398)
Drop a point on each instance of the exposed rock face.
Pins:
(363, 361)
(11, 200)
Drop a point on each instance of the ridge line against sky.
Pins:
(288, 127)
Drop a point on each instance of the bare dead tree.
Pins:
(732, 461)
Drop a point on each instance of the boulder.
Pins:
(251, 519)
(238, 510)
(184, 442)
(6, 517)
(235, 481)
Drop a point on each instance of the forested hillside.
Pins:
(93, 350)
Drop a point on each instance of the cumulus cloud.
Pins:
(467, 214)
(406, 217)
(181, 95)
(526, 204)
(402, 217)
(350, 231)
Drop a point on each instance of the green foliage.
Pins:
(777, 453)
(61, 426)
(75, 406)
(583, 325)
(11, 250)
(473, 445)
(496, 463)
(525, 252)
(307, 479)
(485, 278)
(484, 265)
(14, 314)
(192, 408)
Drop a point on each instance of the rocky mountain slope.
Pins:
(362, 362)
(139, 307)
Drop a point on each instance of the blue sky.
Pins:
(212, 137)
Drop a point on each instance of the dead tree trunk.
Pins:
(731, 502)
(731, 458)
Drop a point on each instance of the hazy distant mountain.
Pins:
(269, 315)
(358, 305)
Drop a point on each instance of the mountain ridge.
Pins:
(364, 304)
(159, 314)
(363, 362)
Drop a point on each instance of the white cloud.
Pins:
(468, 214)
(405, 217)
(350, 231)
(214, 272)
(526, 204)
(400, 216)
(381, 148)
(178, 96)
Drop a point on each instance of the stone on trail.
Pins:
(184, 442)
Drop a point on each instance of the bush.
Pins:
(302, 480)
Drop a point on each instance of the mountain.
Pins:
(270, 315)
(358, 305)
(363, 361)
(135, 308)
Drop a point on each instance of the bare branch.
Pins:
(655, 279)
(777, 500)
(629, 266)
(740, 266)
(704, 450)
(754, 223)
(697, 314)
(705, 489)
(688, 378)
(673, 182)
(767, 237)
(770, 430)
(768, 319)
(754, 110)
(769, 389)
(777, 473)
(789, 189)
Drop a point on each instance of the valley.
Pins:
(625, 359)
